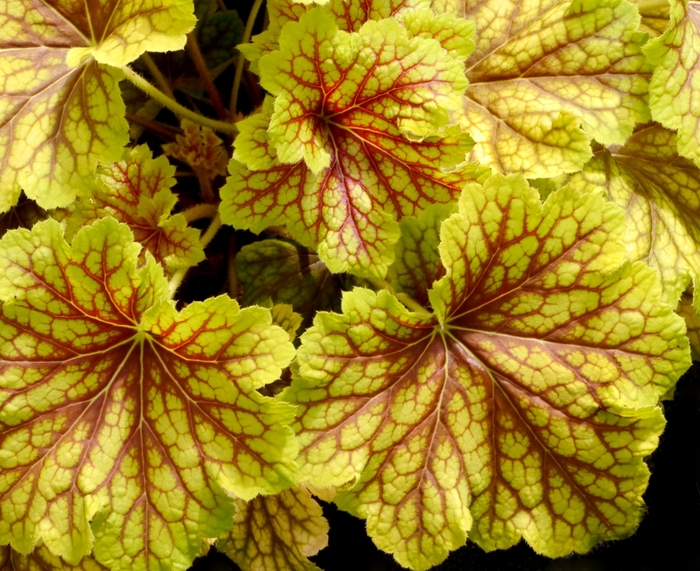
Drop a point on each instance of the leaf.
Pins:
(287, 274)
(137, 191)
(63, 111)
(417, 262)
(672, 90)
(41, 559)
(200, 148)
(660, 193)
(283, 315)
(655, 16)
(349, 15)
(522, 407)
(123, 419)
(276, 533)
(348, 209)
(218, 33)
(546, 77)
(692, 322)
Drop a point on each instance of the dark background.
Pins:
(667, 539)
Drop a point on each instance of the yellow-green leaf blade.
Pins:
(546, 77)
(526, 403)
(659, 192)
(672, 90)
(41, 559)
(276, 532)
(136, 190)
(143, 418)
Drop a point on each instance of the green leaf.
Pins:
(546, 77)
(659, 192)
(122, 419)
(692, 322)
(287, 274)
(41, 559)
(62, 110)
(349, 15)
(362, 172)
(136, 191)
(655, 16)
(276, 532)
(417, 262)
(672, 90)
(523, 407)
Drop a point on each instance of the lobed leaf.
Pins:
(672, 90)
(62, 111)
(276, 533)
(660, 193)
(288, 274)
(200, 148)
(522, 407)
(137, 191)
(655, 16)
(360, 171)
(41, 559)
(546, 77)
(122, 419)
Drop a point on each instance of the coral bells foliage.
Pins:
(447, 262)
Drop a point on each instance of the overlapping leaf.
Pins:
(343, 102)
(61, 107)
(660, 193)
(41, 559)
(349, 15)
(122, 419)
(286, 273)
(522, 407)
(136, 191)
(673, 91)
(546, 77)
(655, 16)
(692, 322)
(276, 533)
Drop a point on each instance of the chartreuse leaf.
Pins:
(200, 148)
(655, 16)
(41, 559)
(276, 533)
(122, 419)
(136, 191)
(349, 15)
(288, 274)
(660, 193)
(546, 77)
(417, 263)
(61, 108)
(673, 89)
(692, 323)
(522, 407)
(343, 101)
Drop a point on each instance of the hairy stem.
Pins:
(199, 211)
(161, 80)
(241, 58)
(174, 106)
(203, 71)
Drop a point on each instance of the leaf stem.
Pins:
(199, 211)
(203, 70)
(174, 106)
(158, 75)
(163, 130)
(176, 281)
(241, 58)
(404, 298)
(211, 231)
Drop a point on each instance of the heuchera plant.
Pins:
(462, 245)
